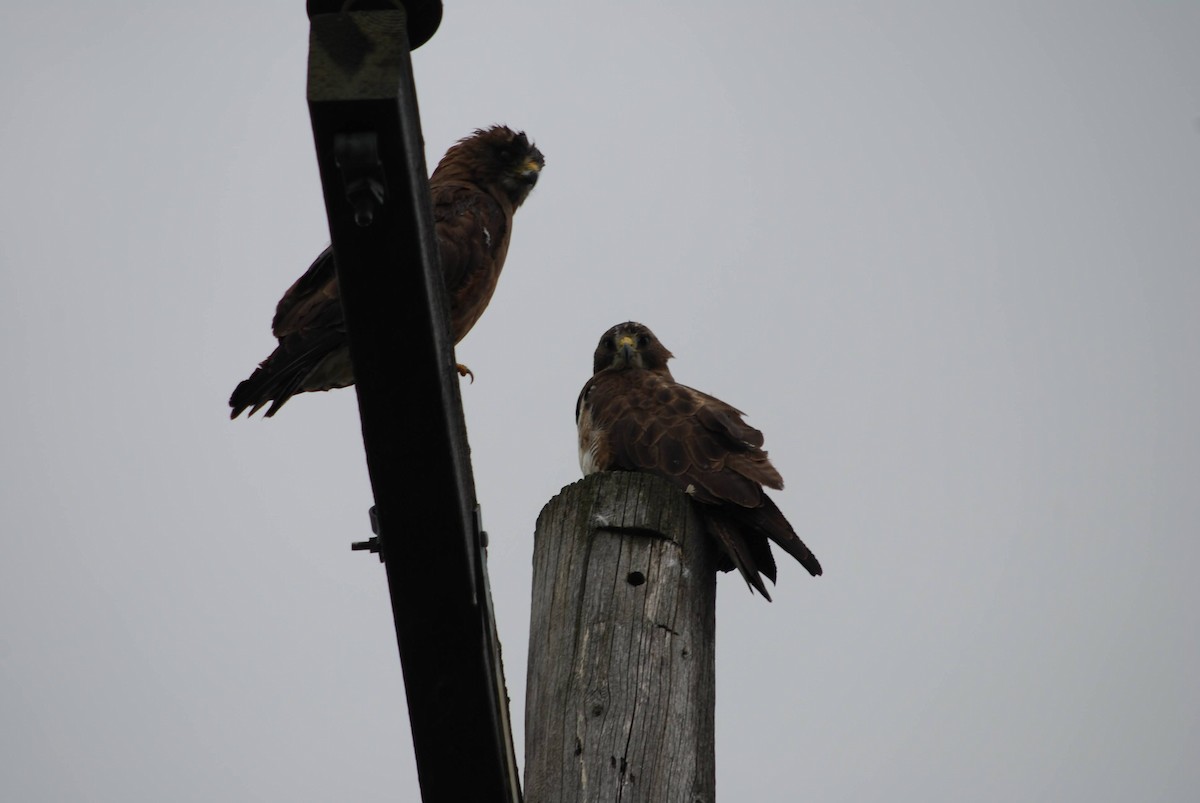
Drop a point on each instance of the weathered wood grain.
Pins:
(620, 689)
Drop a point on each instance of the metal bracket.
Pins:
(357, 157)
(372, 544)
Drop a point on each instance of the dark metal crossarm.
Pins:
(371, 157)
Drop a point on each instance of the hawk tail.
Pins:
(744, 554)
(253, 393)
(770, 521)
(269, 383)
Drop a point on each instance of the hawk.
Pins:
(633, 416)
(476, 188)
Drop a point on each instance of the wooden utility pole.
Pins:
(621, 682)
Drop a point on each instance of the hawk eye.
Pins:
(643, 341)
(608, 343)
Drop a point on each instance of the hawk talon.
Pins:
(464, 371)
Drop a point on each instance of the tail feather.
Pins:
(743, 554)
(743, 533)
(269, 383)
(254, 392)
(770, 521)
(321, 364)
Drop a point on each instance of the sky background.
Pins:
(943, 254)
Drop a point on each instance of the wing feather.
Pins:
(656, 425)
(473, 211)
(473, 230)
(312, 300)
(647, 422)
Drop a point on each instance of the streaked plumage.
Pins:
(633, 416)
(476, 189)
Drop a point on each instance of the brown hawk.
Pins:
(633, 416)
(476, 188)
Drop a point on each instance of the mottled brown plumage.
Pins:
(476, 188)
(633, 416)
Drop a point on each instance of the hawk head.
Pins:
(497, 156)
(631, 345)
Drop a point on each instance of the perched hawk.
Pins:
(633, 416)
(476, 188)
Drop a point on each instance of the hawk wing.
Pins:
(472, 229)
(312, 353)
(475, 190)
(311, 301)
(643, 421)
(472, 232)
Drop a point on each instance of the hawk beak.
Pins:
(530, 171)
(626, 349)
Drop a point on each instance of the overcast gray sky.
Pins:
(943, 254)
